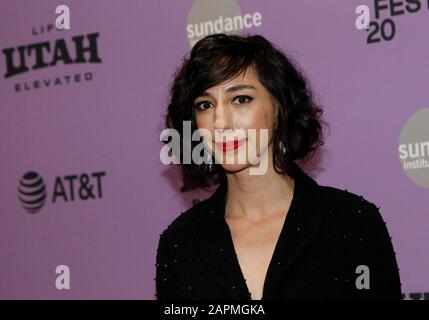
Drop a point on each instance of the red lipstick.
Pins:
(230, 145)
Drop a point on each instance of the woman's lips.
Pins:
(230, 145)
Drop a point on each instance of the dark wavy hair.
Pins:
(220, 57)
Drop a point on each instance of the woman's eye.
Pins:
(202, 105)
(243, 99)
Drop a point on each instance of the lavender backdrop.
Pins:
(111, 124)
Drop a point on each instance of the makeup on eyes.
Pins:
(247, 97)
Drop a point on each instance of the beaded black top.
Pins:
(333, 244)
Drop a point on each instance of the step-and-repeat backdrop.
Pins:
(83, 90)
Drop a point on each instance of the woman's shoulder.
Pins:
(347, 199)
(186, 220)
(353, 211)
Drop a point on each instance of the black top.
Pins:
(327, 234)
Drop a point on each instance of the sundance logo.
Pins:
(32, 192)
(222, 16)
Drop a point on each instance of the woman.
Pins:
(275, 235)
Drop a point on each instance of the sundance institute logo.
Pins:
(32, 192)
(414, 148)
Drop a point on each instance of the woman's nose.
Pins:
(221, 117)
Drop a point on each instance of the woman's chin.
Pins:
(233, 168)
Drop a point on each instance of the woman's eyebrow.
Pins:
(238, 87)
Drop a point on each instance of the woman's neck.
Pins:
(258, 196)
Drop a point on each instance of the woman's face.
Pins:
(228, 112)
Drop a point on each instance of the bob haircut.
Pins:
(220, 57)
